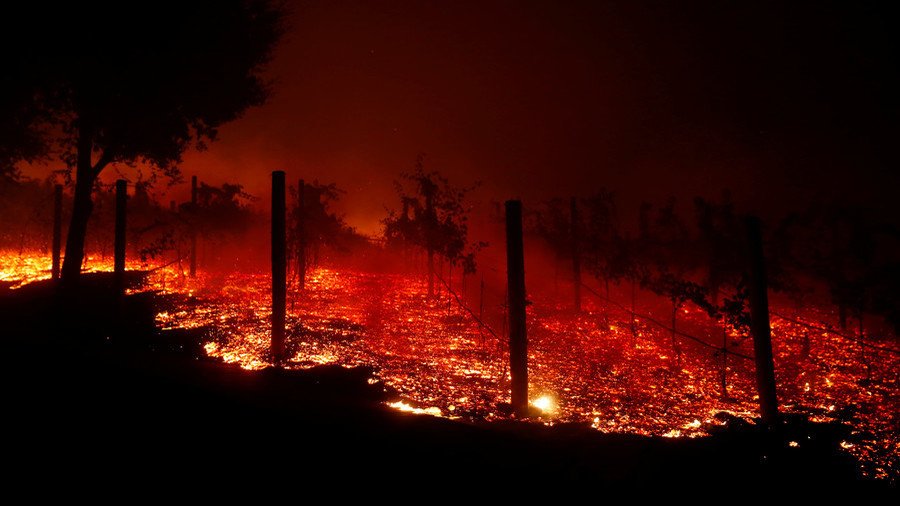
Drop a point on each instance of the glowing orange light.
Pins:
(433, 354)
(545, 403)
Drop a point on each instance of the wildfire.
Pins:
(403, 406)
(434, 354)
(19, 269)
(16, 270)
(545, 403)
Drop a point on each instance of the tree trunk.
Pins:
(85, 175)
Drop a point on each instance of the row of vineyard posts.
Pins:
(518, 341)
(515, 264)
(279, 247)
(760, 327)
(190, 209)
(119, 248)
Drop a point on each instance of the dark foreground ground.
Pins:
(92, 406)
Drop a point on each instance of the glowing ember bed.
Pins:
(587, 368)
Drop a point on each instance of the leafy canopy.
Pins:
(144, 80)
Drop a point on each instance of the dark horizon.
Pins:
(779, 105)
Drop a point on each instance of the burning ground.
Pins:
(443, 356)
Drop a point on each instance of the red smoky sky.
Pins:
(778, 104)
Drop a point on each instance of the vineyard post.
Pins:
(518, 339)
(759, 324)
(279, 265)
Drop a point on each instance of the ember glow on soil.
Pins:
(587, 368)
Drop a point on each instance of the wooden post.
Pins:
(119, 248)
(279, 266)
(576, 256)
(57, 229)
(759, 325)
(193, 267)
(301, 234)
(518, 340)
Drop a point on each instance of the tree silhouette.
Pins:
(20, 125)
(321, 227)
(551, 220)
(605, 252)
(721, 242)
(223, 213)
(669, 256)
(593, 237)
(843, 247)
(434, 217)
(125, 89)
(26, 209)
(150, 226)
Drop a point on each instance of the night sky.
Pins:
(781, 104)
